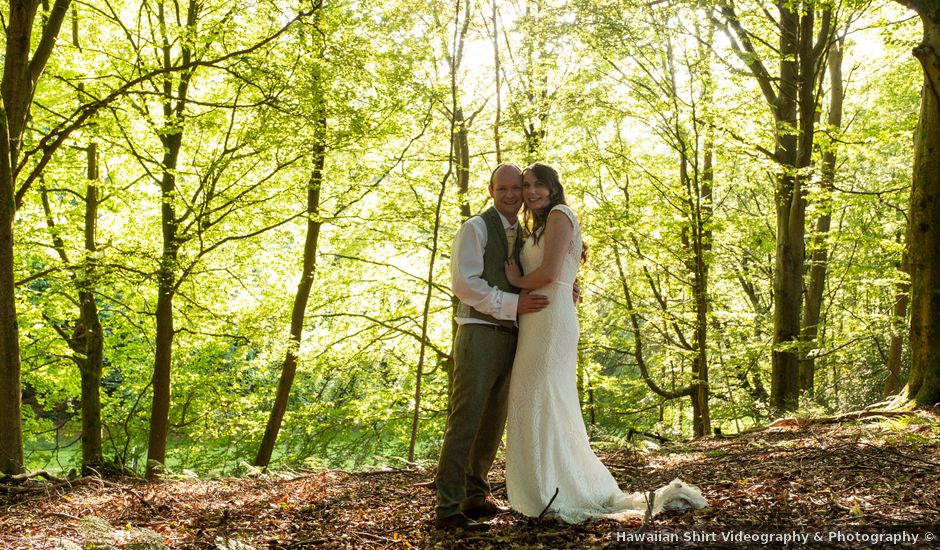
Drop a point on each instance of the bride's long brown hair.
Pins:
(535, 220)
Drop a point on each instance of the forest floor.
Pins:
(866, 483)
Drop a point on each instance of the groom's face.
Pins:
(506, 190)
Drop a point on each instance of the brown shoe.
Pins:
(487, 509)
(459, 521)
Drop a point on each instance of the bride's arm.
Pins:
(557, 239)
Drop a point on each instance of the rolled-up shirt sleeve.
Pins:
(466, 274)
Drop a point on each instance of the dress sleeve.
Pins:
(571, 215)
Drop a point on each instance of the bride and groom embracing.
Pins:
(526, 325)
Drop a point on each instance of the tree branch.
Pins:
(745, 50)
(51, 142)
(49, 34)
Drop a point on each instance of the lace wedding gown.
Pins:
(547, 446)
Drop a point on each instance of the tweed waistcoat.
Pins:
(495, 254)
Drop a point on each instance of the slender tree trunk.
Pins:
(788, 272)
(89, 333)
(459, 133)
(702, 211)
(702, 237)
(458, 157)
(92, 455)
(419, 371)
(174, 115)
(923, 239)
(694, 241)
(820, 256)
(535, 84)
(87, 339)
(166, 290)
(586, 391)
(462, 158)
(11, 429)
(592, 409)
(289, 367)
(496, 70)
(896, 346)
(457, 149)
(75, 41)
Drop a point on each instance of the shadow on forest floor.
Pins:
(844, 485)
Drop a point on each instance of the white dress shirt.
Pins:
(466, 275)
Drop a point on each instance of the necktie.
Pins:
(511, 239)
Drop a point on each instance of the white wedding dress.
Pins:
(547, 446)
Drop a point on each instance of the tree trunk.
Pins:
(87, 339)
(788, 272)
(702, 211)
(92, 455)
(89, 333)
(924, 228)
(289, 367)
(174, 116)
(21, 74)
(499, 102)
(11, 429)
(419, 371)
(795, 108)
(462, 158)
(459, 158)
(87, 342)
(695, 246)
(792, 98)
(896, 347)
(585, 390)
(166, 289)
(459, 124)
(820, 256)
(534, 82)
(702, 237)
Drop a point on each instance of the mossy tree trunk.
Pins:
(923, 234)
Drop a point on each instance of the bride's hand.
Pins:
(513, 273)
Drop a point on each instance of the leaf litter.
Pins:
(855, 484)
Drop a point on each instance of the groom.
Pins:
(484, 347)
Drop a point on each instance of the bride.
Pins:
(548, 455)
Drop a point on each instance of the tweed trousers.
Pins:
(483, 356)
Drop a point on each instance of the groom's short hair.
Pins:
(500, 165)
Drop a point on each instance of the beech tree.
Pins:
(85, 336)
(805, 34)
(923, 233)
(819, 248)
(22, 69)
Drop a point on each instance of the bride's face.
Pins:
(534, 193)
